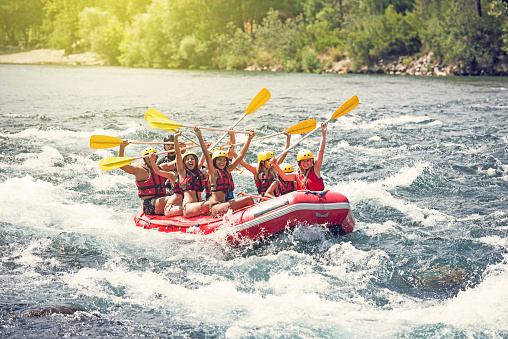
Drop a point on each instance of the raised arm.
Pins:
(270, 192)
(288, 142)
(168, 166)
(248, 166)
(282, 175)
(206, 153)
(157, 170)
(319, 159)
(127, 168)
(201, 161)
(240, 156)
(180, 167)
(139, 172)
(232, 141)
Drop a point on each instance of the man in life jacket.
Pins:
(150, 185)
(280, 186)
(168, 157)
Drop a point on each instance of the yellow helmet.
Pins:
(304, 154)
(149, 150)
(263, 156)
(220, 153)
(189, 153)
(286, 168)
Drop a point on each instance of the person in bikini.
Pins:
(221, 181)
(264, 173)
(309, 170)
(192, 182)
(231, 154)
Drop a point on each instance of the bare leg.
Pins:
(172, 210)
(220, 209)
(174, 205)
(233, 204)
(238, 203)
(192, 209)
(160, 204)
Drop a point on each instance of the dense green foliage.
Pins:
(291, 35)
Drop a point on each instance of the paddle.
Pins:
(98, 141)
(168, 125)
(253, 196)
(117, 162)
(259, 100)
(342, 110)
(192, 142)
(155, 113)
(301, 127)
(152, 112)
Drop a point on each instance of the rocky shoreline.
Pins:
(423, 66)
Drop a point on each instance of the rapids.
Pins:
(422, 160)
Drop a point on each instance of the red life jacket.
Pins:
(193, 182)
(154, 185)
(263, 182)
(172, 189)
(176, 188)
(285, 187)
(224, 182)
(313, 182)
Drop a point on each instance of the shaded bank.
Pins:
(425, 65)
(404, 65)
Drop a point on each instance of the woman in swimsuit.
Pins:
(221, 181)
(309, 170)
(264, 173)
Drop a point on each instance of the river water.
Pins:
(422, 160)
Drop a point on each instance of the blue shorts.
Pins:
(230, 195)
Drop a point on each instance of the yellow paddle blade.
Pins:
(346, 107)
(152, 112)
(302, 127)
(115, 162)
(104, 141)
(164, 124)
(259, 100)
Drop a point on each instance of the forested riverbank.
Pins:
(413, 37)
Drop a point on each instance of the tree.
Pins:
(61, 22)
(101, 32)
(20, 17)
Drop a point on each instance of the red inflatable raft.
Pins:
(326, 208)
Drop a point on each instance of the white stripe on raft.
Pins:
(278, 213)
